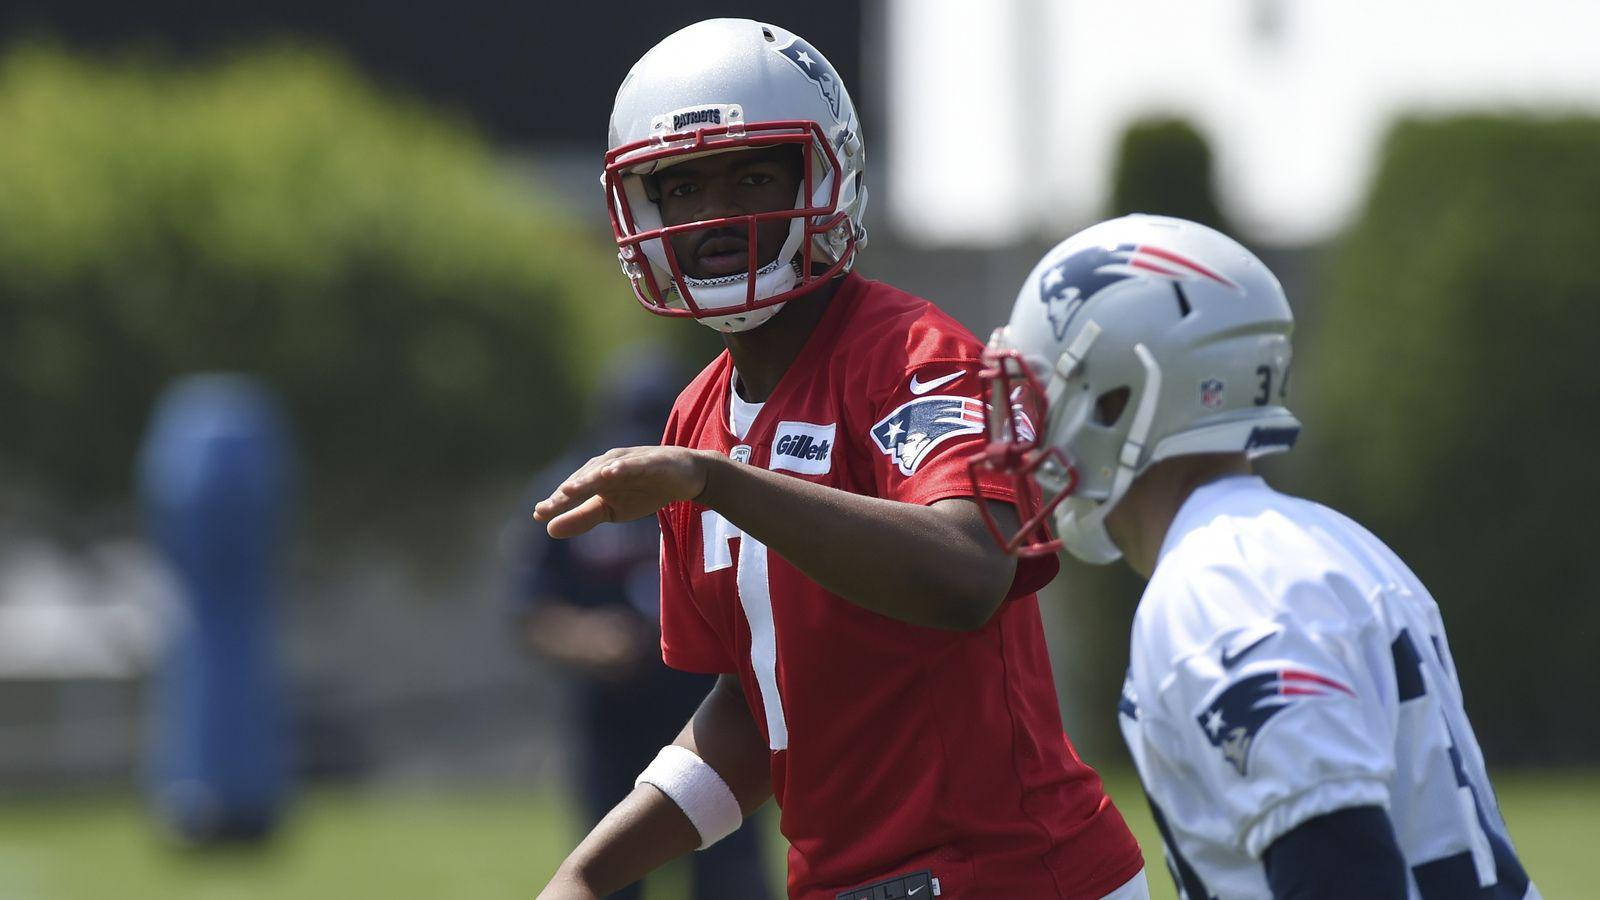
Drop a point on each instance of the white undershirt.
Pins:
(741, 412)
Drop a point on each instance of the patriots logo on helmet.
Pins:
(1073, 281)
(909, 433)
(815, 66)
(1232, 721)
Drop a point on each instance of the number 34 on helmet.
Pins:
(1133, 341)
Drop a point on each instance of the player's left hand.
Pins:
(621, 485)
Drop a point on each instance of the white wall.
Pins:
(1003, 115)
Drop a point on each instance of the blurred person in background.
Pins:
(592, 606)
(1291, 702)
(883, 671)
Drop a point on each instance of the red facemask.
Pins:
(631, 241)
(1016, 412)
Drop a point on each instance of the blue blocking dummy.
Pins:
(215, 476)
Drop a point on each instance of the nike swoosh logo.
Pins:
(1229, 662)
(920, 886)
(922, 387)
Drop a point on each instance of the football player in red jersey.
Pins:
(882, 666)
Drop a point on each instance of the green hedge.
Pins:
(1164, 167)
(1451, 402)
(421, 312)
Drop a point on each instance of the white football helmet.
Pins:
(1133, 341)
(725, 85)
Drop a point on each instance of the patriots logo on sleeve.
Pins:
(909, 433)
(1232, 720)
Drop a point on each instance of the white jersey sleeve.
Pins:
(1264, 721)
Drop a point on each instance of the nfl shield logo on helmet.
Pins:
(1211, 393)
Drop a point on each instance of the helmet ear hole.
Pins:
(1108, 407)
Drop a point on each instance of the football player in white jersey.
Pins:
(1291, 701)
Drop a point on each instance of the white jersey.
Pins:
(1286, 664)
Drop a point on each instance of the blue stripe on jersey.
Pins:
(1457, 876)
(1407, 667)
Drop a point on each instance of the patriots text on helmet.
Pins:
(708, 116)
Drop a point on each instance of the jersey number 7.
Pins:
(755, 596)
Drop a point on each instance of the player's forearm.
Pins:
(909, 562)
(723, 733)
(643, 832)
(648, 829)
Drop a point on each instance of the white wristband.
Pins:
(698, 790)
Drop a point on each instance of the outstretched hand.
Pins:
(621, 485)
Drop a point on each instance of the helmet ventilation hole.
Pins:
(1108, 407)
(767, 33)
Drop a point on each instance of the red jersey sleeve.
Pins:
(924, 432)
(688, 641)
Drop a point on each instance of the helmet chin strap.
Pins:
(778, 276)
(1086, 535)
(731, 290)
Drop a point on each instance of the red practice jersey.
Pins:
(895, 748)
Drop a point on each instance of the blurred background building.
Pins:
(1294, 97)
(389, 215)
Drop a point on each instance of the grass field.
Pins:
(343, 843)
